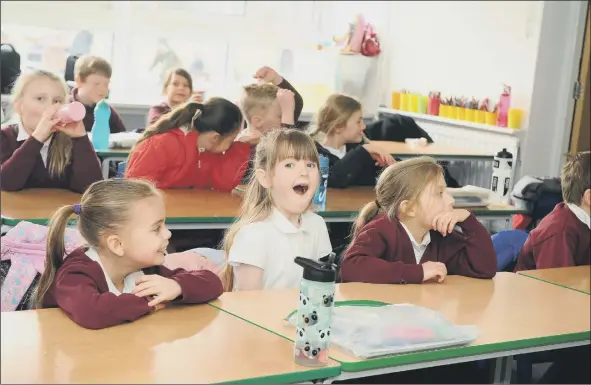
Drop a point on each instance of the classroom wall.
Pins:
(466, 48)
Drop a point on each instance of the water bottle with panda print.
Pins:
(314, 315)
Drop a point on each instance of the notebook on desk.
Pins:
(470, 196)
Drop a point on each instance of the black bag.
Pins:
(10, 67)
(69, 71)
(537, 195)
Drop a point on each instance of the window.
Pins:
(222, 43)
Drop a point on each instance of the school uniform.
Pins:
(84, 291)
(272, 245)
(115, 123)
(24, 162)
(172, 160)
(561, 239)
(157, 111)
(385, 252)
(351, 165)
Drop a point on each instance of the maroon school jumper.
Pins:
(22, 165)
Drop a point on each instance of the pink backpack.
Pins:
(24, 246)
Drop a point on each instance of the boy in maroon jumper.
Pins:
(563, 237)
(93, 75)
(407, 235)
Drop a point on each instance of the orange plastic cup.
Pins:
(395, 100)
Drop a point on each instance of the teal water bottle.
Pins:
(101, 128)
(319, 200)
(314, 317)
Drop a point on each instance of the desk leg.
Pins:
(502, 369)
(105, 168)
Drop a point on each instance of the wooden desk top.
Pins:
(576, 278)
(196, 344)
(192, 205)
(511, 311)
(434, 149)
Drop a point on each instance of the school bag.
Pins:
(23, 261)
(10, 67)
(69, 70)
(537, 196)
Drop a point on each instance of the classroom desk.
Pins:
(193, 344)
(576, 278)
(203, 209)
(515, 315)
(436, 150)
(111, 155)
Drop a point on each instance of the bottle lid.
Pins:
(317, 271)
(505, 154)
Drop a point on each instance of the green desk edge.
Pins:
(290, 378)
(436, 355)
(326, 214)
(113, 154)
(554, 283)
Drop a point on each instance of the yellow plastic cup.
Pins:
(491, 118)
(443, 110)
(515, 117)
(404, 102)
(423, 103)
(460, 113)
(480, 117)
(395, 100)
(453, 112)
(414, 103)
(470, 115)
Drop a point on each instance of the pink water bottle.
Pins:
(503, 107)
(72, 112)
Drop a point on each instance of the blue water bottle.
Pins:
(101, 128)
(319, 200)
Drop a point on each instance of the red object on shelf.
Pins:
(433, 106)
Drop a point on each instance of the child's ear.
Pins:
(263, 178)
(587, 197)
(17, 106)
(78, 81)
(408, 209)
(115, 245)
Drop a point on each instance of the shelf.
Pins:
(453, 122)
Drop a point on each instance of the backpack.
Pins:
(10, 67)
(69, 71)
(537, 196)
(23, 255)
(371, 44)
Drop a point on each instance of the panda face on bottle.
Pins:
(311, 351)
(310, 319)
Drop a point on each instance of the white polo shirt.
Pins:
(273, 244)
(128, 282)
(24, 135)
(418, 248)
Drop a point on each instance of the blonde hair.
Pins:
(257, 97)
(398, 182)
(60, 150)
(576, 177)
(104, 209)
(87, 65)
(335, 112)
(257, 204)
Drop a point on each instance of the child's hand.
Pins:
(196, 97)
(159, 306)
(447, 220)
(268, 75)
(249, 136)
(46, 123)
(286, 100)
(73, 130)
(381, 156)
(434, 269)
(160, 288)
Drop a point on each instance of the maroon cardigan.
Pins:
(383, 253)
(22, 165)
(115, 122)
(80, 290)
(560, 240)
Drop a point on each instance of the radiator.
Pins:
(471, 136)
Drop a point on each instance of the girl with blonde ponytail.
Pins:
(408, 233)
(275, 224)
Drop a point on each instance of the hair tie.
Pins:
(77, 209)
(378, 204)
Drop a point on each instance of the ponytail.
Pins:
(55, 253)
(367, 213)
(182, 115)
